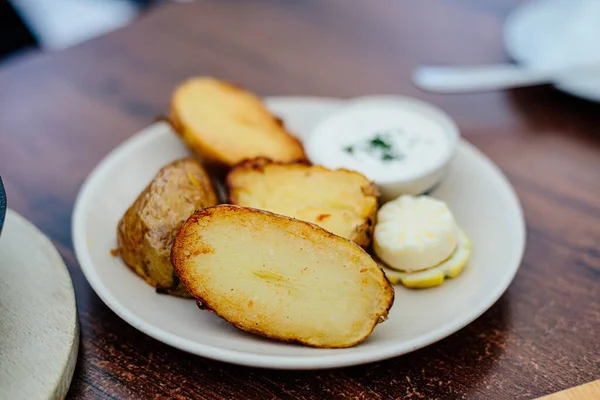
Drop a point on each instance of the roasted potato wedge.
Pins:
(145, 233)
(225, 124)
(280, 277)
(341, 201)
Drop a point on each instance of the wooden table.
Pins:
(62, 112)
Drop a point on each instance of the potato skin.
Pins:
(244, 179)
(189, 244)
(225, 124)
(146, 231)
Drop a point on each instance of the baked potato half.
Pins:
(341, 201)
(225, 124)
(145, 233)
(280, 277)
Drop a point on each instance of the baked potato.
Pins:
(341, 201)
(281, 278)
(225, 124)
(145, 233)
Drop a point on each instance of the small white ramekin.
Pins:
(414, 184)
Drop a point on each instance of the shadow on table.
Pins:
(453, 366)
(545, 109)
(117, 361)
(449, 368)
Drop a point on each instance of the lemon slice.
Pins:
(434, 276)
(414, 233)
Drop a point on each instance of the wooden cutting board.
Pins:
(589, 391)
(39, 333)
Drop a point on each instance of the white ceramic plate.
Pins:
(480, 196)
(535, 27)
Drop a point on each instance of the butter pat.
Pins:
(414, 233)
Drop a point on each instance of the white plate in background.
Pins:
(481, 198)
(542, 34)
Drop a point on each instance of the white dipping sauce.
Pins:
(384, 142)
(404, 145)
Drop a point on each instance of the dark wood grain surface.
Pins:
(60, 113)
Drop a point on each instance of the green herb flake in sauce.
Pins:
(379, 141)
(389, 156)
(381, 145)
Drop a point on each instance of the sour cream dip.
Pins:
(403, 145)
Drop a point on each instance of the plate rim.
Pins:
(272, 361)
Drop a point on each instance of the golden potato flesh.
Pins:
(341, 201)
(280, 277)
(145, 233)
(225, 124)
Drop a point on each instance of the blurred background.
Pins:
(535, 42)
(55, 24)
